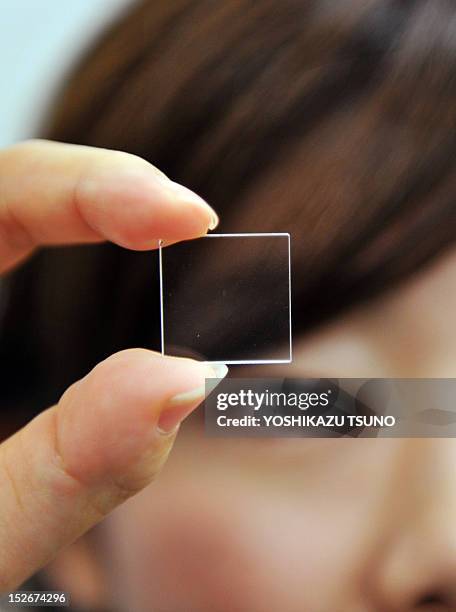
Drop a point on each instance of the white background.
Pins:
(39, 41)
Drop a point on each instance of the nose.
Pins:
(416, 563)
(419, 574)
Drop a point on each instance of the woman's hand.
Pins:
(111, 432)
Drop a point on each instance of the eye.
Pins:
(341, 403)
(349, 404)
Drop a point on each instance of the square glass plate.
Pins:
(227, 298)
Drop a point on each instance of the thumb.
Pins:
(106, 439)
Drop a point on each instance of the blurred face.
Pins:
(353, 525)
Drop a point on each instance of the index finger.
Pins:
(53, 193)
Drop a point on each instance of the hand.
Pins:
(111, 432)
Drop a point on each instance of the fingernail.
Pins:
(183, 193)
(181, 405)
(220, 370)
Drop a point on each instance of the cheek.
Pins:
(232, 531)
(218, 548)
(187, 549)
(202, 556)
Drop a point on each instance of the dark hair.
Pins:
(332, 120)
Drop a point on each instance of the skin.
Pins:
(359, 525)
(230, 525)
(111, 432)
